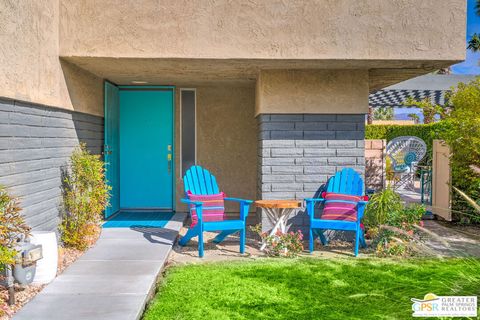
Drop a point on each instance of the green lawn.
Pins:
(309, 288)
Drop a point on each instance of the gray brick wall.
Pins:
(297, 153)
(35, 143)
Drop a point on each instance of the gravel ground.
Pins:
(229, 249)
(23, 294)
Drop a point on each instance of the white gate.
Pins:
(441, 178)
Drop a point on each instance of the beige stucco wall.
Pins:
(183, 41)
(80, 90)
(258, 29)
(312, 91)
(30, 67)
(226, 139)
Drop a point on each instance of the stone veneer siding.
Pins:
(298, 152)
(35, 143)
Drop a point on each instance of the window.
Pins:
(188, 130)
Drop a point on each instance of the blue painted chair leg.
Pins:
(222, 235)
(323, 239)
(200, 244)
(363, 243)
(242, 240)
(357, 241)
(188, 236)
(311, 240)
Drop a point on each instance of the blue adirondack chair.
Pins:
(347, 182)
(199, 181)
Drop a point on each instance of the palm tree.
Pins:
(370, 115)
(429, 109)
(474, 43)
(414, 117)
(383, 113)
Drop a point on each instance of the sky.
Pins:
(471, 64)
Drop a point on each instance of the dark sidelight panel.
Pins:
(188, 128)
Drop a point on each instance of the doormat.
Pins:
(139, 219)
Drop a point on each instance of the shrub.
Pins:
(376, 131)
(85, 197)
(392, 225)
(390, 174)
(380, 206)
(12, 227)
(386, 246)
(461, 131)
(407, 218)
(429, 109)
(288, 244)
(7, 257)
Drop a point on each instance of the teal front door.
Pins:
(146, 147)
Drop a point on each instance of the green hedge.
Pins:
(426, 132)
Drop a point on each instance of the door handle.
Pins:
(106, 149)
(169, 160)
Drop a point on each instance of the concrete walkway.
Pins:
(455, 243)
(112, 280)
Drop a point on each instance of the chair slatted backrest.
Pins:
(347, 181)
(200, 181)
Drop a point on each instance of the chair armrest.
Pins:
(238, 200)
(310, 205)
(198, 207)
(361, 209)
(195, 203)
(244, 206)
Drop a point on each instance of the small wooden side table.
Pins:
(278, 212)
